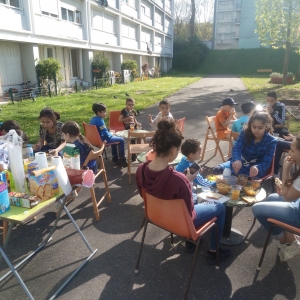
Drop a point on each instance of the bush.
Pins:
(100, 65)
(275, 75)
(188, 55)
(48, 69)
(130, 64)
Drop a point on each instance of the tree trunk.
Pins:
(192, 20)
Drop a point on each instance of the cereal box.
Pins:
(44, 183)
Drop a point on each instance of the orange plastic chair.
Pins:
(173, 216)
(92, 135)
(92, 156)
(276, 223)
(180, 124)
(114, 121)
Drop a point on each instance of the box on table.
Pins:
(44, 183)
(23, 200)
(71, 156)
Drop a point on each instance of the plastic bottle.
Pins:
(29, 152)
(227, 174)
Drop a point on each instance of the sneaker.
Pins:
(281, 250)
(123, 161)
(115, 159)
(133, 157)
(290, 252)
(224, 254)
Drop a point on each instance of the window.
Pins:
(49, 8)
(158, 17)
(74, 63)
(49, 52)
(13, 3)
(143, 9)
(68, 15)
(129, 30)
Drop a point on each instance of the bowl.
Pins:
(249, 191)
(223, 188)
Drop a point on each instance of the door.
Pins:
(74, 64)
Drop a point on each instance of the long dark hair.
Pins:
(73, 129)
(166, 136)
(289, 182)
(49, 113)
(262, 116)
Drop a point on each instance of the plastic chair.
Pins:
(282, 225)
(136, 148)
(92, 135)
(173, 216)
(114, 120)
(211, 135)
(180, 124)
(92, 156)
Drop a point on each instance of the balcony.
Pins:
(237, 21)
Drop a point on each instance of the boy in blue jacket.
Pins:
(100, 113)
(191, 149)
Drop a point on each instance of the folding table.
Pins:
(18, 215)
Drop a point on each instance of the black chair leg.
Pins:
(172, 239)
(265, 248)
(144, 220)
(141, 247)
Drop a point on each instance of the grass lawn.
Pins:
(78, 107)
(259, 86)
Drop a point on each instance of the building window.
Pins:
(49, 52)
(68, 15)
(143, 9)
(13, 3)
(49, 8)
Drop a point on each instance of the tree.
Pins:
(278, 25)
(100, 65)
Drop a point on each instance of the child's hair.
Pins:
(272, 94)
(73, 129)
(129, 100)
(10, 124)
(23, 135)
(262, 116)
(49, 113)
(190, 146)
(247, 107)
(164, 102)
(98, 107)
(289, 182)
(166, 136)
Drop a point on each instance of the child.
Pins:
(223, 118)
(127, 115)
(253, 151)
(277, 112)
(164, 111)
(100, 111)
(50, 132)
(191, 149)
(72, 135)
(247, 109)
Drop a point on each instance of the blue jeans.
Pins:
(205, 211)
(275, 207)
(114, 150)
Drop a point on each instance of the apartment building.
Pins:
(234, 25)
(72, 31)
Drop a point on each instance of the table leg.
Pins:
(231, 236)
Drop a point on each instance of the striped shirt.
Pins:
(278, 114)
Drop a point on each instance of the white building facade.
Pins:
(72, 31)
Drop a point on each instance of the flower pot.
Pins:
(276, 80)
(289, 80)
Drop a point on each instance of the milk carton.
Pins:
(71, 157)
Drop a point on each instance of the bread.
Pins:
(278, 183)
(215, 196)
(249, 199)
(40, 192)
(47, 191)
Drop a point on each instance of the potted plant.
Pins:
(290, 77)
(100, 64)
(276, 77)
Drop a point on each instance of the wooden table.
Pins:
(124, 133)
(142, 158)
(19, 215)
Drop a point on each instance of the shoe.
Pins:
(281, 250)
(211, 258)
(133, 157)
(289, 253)
(123, 161)
(115, 159)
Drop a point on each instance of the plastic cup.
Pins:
(205, 189)
(256, 182)
(235, 192)
(132, 126)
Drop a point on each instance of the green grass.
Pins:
(78, 107)
(259, 86)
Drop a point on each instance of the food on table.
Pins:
(223, 188)
(249, 190)
(242, 179)
(215, 196)
(249, 199)
(213, 177)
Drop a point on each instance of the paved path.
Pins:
(163, 269)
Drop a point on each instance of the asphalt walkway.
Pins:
(163, 269)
